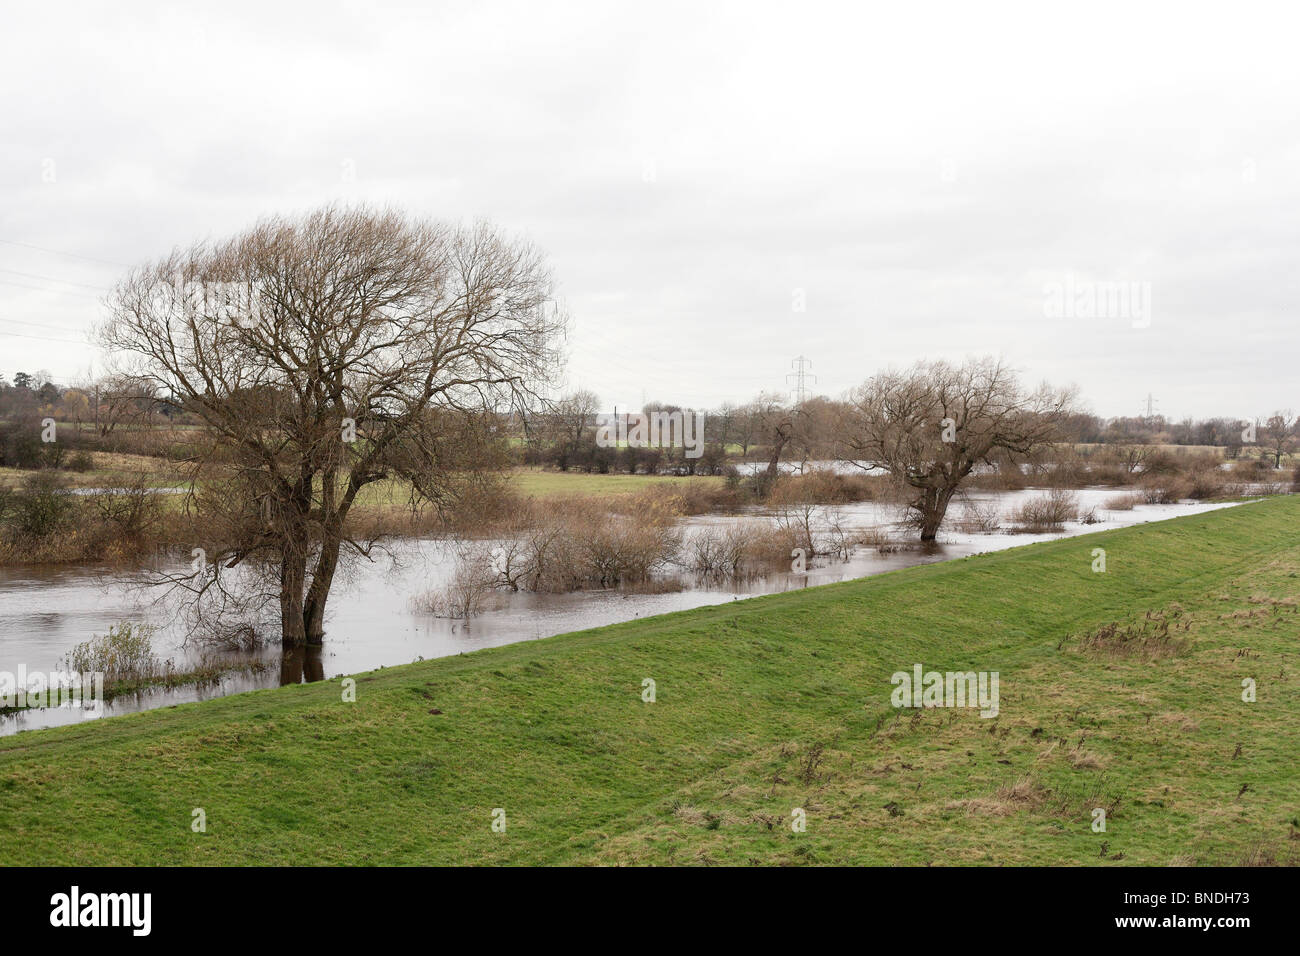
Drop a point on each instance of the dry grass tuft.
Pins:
(1155, 637)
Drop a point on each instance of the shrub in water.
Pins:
(124, 654)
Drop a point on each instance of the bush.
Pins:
(979, 517)
(41, 507)
(483, 508)
(1165, 491)
(684, 497)
(1161, 463)
(1104, 473)
(1256, 469)
(738, 549)
(1205, 483)
(1006, 477)
(463, 596)
(21, 445)
(565, 544)
(124, 655)
(82, 461)
(884, 541)
(132, 512)
(607, 551)
(822, 486)
(1047, 512)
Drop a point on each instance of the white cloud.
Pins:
(918, 173)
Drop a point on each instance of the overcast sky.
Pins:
(930, 182)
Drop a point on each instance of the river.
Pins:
(46, 611)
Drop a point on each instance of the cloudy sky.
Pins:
(1108, 196)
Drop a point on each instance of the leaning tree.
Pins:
(930, 426)
(323, 354)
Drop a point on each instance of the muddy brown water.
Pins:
(46, 611)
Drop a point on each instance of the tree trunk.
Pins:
(780, 436)
(318, 594)
(293, 572)
(933, 506)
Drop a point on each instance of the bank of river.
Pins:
(45, 612)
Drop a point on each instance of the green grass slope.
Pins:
(762, 706)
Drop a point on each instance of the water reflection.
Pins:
(302, 665)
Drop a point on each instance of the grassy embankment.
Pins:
(762, 706)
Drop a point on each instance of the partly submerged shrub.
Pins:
(1048, 512)
(125, 654)
(979, 517)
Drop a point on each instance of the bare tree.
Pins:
(328, 352)
(815, 423)
(773, 421)
(1279, 435)
(1132, 457)
(722, 422)
(747, 422)
(122, 399)
(74, 405)
(932, 424)
(571, 418)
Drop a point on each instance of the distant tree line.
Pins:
(770, 429)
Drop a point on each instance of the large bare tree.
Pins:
(931, 425)
(328, 352)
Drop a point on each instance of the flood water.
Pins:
(46, 611)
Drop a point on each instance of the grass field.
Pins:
(539, 483)
(763, 706)
(112, 470)
(115, 470)
(1216, 450)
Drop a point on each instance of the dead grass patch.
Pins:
(1158, 635)
(1025, 794)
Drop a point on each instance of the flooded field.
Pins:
(45, 612)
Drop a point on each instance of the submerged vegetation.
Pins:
(1048, 512)
(129, 663)
(568, 543)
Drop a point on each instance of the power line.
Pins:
(40, 325)
(37, 288)
(70, 255)
(33, 275)
(24, 335)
